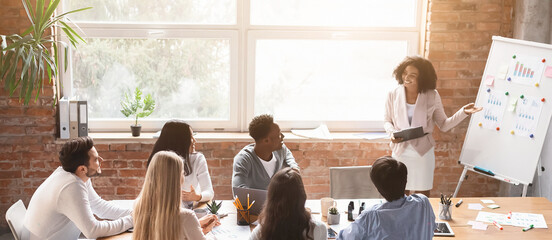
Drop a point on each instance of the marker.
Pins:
(497, 225)
(458, 203)
(528, 228)
(482, 170)
(510, 215)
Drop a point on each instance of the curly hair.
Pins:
(427, 80)
(259, 127)
(74, 153)
(389, 177)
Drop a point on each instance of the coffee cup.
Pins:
(326, 203)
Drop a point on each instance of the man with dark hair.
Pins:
(256, 163)
(401, 217)
(65, 203)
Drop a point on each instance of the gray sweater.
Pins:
(249, 172)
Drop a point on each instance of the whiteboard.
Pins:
(512, 156)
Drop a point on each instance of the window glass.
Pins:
(325, 80)
(189, 78)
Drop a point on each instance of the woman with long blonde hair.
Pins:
(157, 213)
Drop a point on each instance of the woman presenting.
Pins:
(416, 103)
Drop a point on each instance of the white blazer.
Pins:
(427, 112)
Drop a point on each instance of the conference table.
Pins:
(459, 223)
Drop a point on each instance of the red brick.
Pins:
(134, 147)
(134, 155)
(132, 173)
(36, 173)
(101, 147)
(40, 130)
(117, 147)
(40, 112)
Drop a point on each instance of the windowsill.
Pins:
(148, 137)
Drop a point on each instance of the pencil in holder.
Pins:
(243, 217)
(445, 212)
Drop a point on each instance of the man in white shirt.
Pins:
(65, 203)
(256, 163)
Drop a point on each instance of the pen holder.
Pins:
(445, 212)
(243, 217)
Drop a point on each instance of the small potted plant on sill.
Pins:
(333, 216)
(134, 106)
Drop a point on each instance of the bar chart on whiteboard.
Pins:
(525, 70)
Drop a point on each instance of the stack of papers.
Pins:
(320, 132)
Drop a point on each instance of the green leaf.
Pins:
(71, 38)
(51, 8)
(66, 57)
(27, 5)
(18, 43)
(39, 12)
(71, 30)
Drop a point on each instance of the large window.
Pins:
(218, 63)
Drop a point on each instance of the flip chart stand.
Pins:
(493, 175)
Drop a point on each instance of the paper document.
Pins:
(229, 230)
(487, 201)
(477, 225)
(517, 219)
(475, 206)
(320, 132)
(372, 135)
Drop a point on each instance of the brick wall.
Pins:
(457, 42)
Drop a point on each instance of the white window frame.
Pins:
(242, 37)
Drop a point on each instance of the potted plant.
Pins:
(134, 106)
(27, 58)
(333, 216)
(214, 207)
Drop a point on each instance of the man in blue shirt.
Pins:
(401, 217)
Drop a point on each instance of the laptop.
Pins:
(257, 195)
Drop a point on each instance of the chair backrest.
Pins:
(352, 183)
(15, 216)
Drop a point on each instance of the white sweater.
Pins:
(63, 207)
(199, 178)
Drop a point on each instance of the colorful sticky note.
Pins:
(548, 72)
(494, 206)
(512, 105)
(502, 71)
(489, 81)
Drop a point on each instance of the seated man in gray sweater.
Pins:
(256, 163)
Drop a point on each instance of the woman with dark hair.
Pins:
(284, 215)
(177, 136)
(416, 103)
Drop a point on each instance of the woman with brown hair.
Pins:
(284, 215)
(178, 136)
(157, 213)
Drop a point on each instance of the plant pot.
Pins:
(136, 130)
(333, 218)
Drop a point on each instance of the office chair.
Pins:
(352, 183)
(15, 216)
